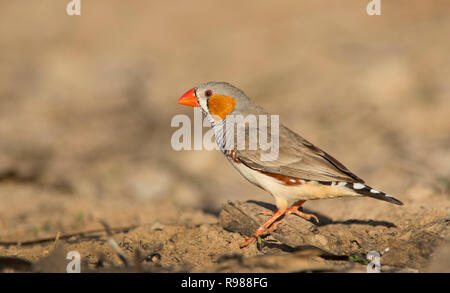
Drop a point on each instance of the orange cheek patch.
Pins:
(221, 105)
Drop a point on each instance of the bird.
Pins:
(301, 171)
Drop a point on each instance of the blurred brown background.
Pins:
(86, 103)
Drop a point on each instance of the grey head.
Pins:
(222, 98)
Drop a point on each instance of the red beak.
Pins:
(189, 99)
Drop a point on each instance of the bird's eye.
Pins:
(208, 93)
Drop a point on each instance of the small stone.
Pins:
(157, 226)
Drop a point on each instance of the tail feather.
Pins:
(370, 192)
(365, 190)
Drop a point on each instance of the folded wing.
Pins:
(297, 158)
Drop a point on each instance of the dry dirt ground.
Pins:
(86, 105)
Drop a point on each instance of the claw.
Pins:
(304, 215)
(247, 242)
(295, 209)
(266, 212)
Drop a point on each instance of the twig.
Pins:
(65, 236)
(56, 240)
(114, 244)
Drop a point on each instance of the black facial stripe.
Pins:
(196, 96)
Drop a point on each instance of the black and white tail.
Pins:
(370, 192)
(366, 191)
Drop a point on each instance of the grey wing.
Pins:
(298, 158)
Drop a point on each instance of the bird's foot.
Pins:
(295, 210)
(248, 240)
(266, 212)
(252, 239)
(270, 225)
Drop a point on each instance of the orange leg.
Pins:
(262, 229)
(267, 224)
(294, 210)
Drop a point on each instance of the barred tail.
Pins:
(370, 192)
